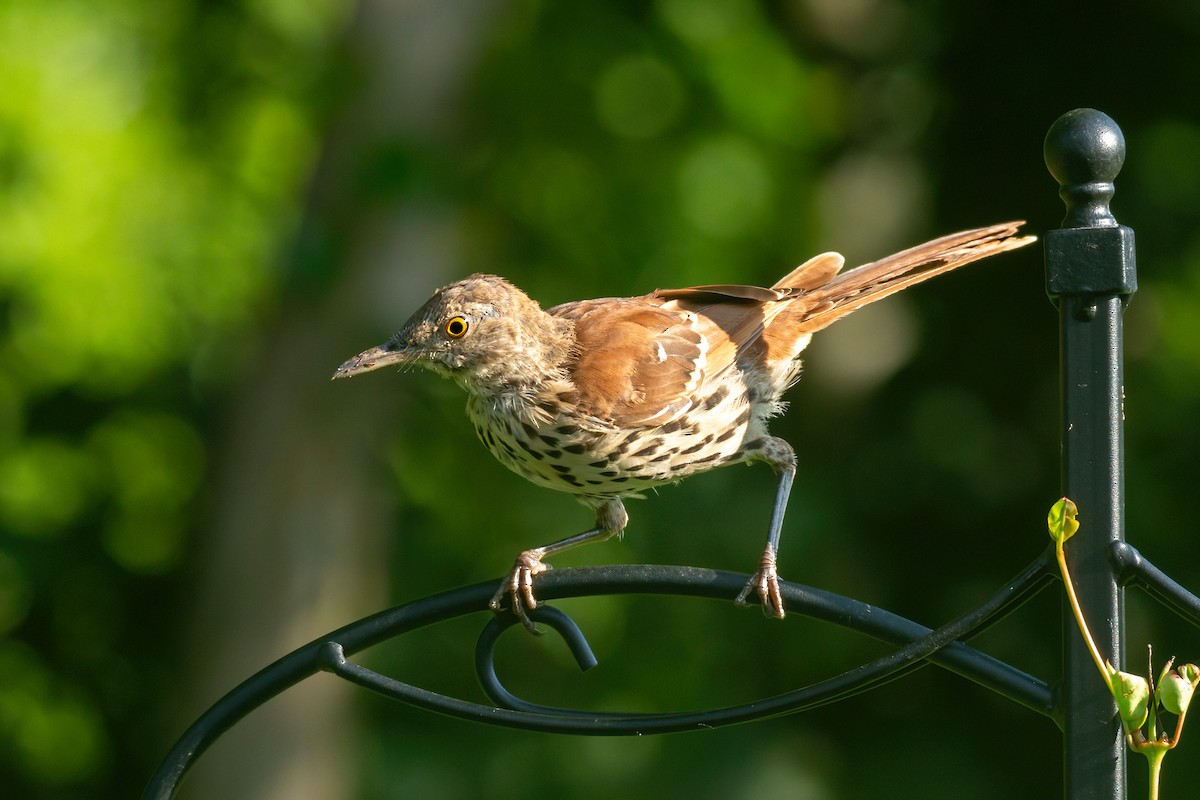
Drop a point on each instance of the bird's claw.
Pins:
(764, 583)
(519, 585)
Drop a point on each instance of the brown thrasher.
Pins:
(604, 398)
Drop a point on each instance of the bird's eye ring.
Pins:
(456, 327)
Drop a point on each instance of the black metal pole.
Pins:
(1090, 274)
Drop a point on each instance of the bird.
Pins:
(606, 398)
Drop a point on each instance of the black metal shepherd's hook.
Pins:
(1090, 274)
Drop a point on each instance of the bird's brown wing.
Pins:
(648, 360)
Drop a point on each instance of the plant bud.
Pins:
(1132, 693)
(1175, 691)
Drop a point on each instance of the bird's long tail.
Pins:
(830, 295)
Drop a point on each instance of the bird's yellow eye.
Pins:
(456, 327)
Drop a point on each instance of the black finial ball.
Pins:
(1084, 151)
(1084, 146)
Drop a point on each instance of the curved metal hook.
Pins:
(485, 653)
(330, 653)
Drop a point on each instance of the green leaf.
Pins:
(1062, 520)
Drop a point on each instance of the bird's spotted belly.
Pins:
(589, 460)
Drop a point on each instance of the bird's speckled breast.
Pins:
(592, 461)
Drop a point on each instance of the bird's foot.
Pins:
(764, 583)
(519, 585)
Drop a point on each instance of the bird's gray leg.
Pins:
(611, 519)
(765, 582)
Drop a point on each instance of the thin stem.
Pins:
(1061, 555)
(1179, 726)
(1154, 758)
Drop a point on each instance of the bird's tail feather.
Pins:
(844, 292)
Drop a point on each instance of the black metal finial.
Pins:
(1084, 151)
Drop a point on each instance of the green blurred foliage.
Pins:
(152, 156)
(154, 159)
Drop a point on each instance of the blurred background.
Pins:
(207, 205)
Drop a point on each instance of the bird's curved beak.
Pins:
(376, 357)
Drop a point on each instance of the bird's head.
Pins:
(482, 331)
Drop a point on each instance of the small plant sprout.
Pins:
(1141, 702)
